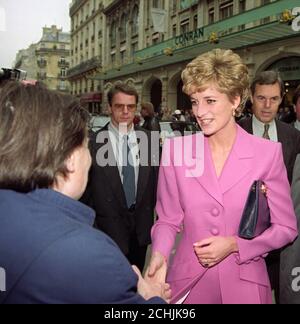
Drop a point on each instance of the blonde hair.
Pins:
(223, 68)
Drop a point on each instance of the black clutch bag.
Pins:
(256, 216)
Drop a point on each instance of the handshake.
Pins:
(154, 282)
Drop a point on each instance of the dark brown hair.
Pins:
(268, 78)
(39, 130)
(122, 88)
(148, 106)
(296, 95)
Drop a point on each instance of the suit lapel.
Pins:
(208, 179)
(239, 163)
(111, 171)
(237, 166)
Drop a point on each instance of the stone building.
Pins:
(147, 43)
(153, 61)
(87, 26)
(48, 60)
(26, 60)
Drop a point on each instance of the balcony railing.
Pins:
(55, 49)
(84, 67)
(63, 64)
(59, 76)
(42, 63)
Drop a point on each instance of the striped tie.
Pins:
(266, 133)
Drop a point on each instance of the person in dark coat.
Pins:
(49, 250)
(151, 122)
(290, 256)
(296, 102)
(267, 92)
(122, 187)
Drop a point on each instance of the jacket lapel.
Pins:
(239, 163)
(208, 179)
(111, 171)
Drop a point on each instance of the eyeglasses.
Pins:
(121, 107)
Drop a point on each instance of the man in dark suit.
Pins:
(267, 92)
(290, 257)
(296, 102)
(123, 178)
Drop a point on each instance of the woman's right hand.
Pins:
(157, 270)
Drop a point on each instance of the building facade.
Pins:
(87, 26)
(147, 43)
(48, 60)
(251, 27)
(26, 60)
(53, 59)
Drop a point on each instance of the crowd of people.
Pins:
(77, 211)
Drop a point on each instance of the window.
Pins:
(123, 56)
(242, 6)
(195, 22)
(185, 26)
(135, 21)
(226, 10)
(211, 11)
(147, 13)
(63, 73)
(134, 47)
(123, 28)
(174, 7)
(211, 16)
(174, 32)
(113, 59)
(113, 34)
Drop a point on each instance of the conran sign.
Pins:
(190, 36)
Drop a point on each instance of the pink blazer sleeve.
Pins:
(284, 223)
(168, 206)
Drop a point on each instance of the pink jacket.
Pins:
(204, 206)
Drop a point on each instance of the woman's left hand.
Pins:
(214, 250)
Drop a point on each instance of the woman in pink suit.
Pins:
(212, 264)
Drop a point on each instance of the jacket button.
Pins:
(215, 232)
(215, 212)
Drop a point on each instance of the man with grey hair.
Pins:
(267, 93)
